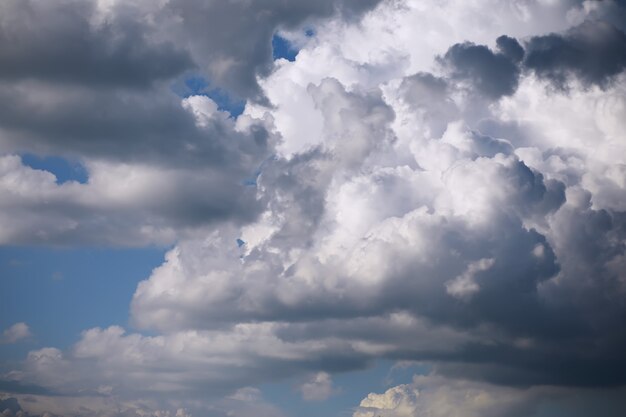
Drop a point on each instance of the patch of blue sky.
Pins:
(349, 389)
(64, 170)
(61, 292)
(197, 85)
(282, 48)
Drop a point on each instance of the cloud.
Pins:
(121, 44)
(413, 188)
(15, 333)
(464, 286)
(593, 52)
(362, 243)
(9, 407)
(318, 388)
(100, 211)
(232, 40)
(398, 401)
(436, 396)
(491, 74)
(510, 48)
(94, 81)
(60, 42)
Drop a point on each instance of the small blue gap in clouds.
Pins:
(64, 170)
(196, 85)
(282, 48)
(225, 102)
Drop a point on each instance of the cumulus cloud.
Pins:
(15, 333)
(317, 388)
(94, 81)
(464, 286)
(433, 395)
(232, 39)
(412, 188)
(38, 210)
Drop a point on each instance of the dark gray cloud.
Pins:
(132, 46)
(57, 42)
(593, 52)
(510, 47)
(9, 406)
(149, 126)
(491, 74)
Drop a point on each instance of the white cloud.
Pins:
(15, 333)
(465, 285)
(400, 401)
(318, 388)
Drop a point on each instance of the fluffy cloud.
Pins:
(15, 333)
(317, 388)
(412, 188)
(231, 40)
(94, 81)
(120, 204)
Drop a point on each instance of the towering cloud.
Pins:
(434, 182)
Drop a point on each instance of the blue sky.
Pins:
(297, 209)
(92, 287)
(63, 169)
(282, 48)
(69, 289)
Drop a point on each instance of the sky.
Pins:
(288, 208)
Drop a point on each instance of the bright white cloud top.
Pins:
(415, 186)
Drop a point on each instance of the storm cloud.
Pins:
(593, 52)
(491, 74)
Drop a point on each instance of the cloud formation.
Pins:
(489, 73)
(15, 333)
(317, 388)
(594, 52)
(438, 397)
(94, 81)
(439, 182)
